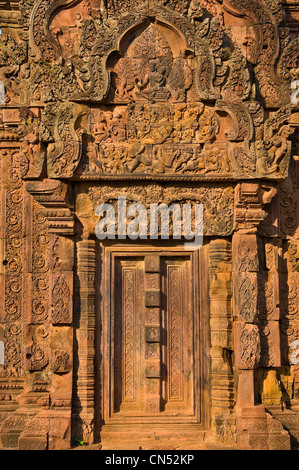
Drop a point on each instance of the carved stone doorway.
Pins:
(151, 346)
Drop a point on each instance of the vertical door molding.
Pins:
(84, 373)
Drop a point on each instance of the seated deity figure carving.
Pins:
(150, 70)
(117, 126)
(153, 84)
(157, 76)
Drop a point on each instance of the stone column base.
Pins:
(258, 430)
(48, 430)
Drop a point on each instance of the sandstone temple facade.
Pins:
(129, 343)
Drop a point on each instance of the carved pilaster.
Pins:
(48, 320)
(247, 340)
(256, 334)
(222, 382)
(12, 231)
(84, 384)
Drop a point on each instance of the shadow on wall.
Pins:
(1, 348)
(1, 353)
(2, 93)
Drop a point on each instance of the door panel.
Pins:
(152, 339)
(129, 279)
(177, 356)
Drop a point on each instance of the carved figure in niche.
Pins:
(273, 153)
(123, 90)
(185, 156)
(157, 75)
(208, 128)
(179, 79)
(117, 126)
(149, 70)
(94, 156)
(118, 159)
(8, 78)
(178, 121)
(123, 81)
(152, 85)
(190, 123)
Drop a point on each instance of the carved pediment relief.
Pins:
(159, 89)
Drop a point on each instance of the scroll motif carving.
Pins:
(37, 357)
(129, 391)
(14, 70)
(12, 230)
(247, 295)
(174, 329)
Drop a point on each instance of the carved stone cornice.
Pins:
(55, 197)
(251, 200)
